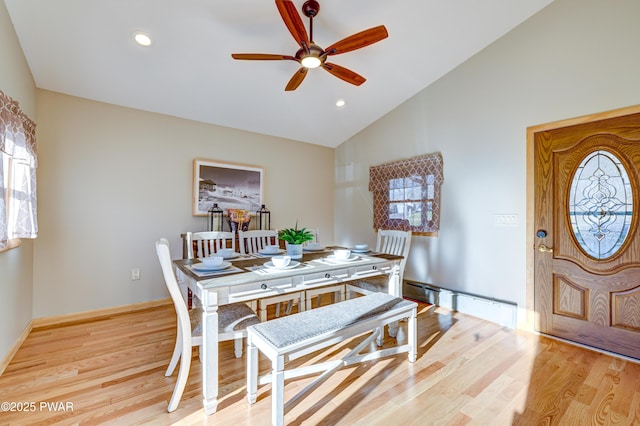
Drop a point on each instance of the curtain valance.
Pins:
(17, 131)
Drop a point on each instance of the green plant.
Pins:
(295, 235)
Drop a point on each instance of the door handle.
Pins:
(544, 249)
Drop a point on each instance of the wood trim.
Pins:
(531, 322)
(11, 244)
(19, 341)
(97, 313)
(585, 119)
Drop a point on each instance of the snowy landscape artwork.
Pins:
(231, 186)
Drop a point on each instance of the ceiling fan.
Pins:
(310, 55)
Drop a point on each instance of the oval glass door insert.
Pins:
(601, 204)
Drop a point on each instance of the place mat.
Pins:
(238, 257)
(339, 262)
(263, 270)
(266, 256)
(230, 270)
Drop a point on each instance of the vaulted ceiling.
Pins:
(86, 49)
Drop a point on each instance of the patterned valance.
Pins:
(427, 171)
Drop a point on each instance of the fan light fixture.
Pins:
(310, 55)
(311, 62)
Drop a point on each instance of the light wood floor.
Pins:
(469, 371)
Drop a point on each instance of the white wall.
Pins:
(573, 58)
(16, 265)
(113, 180)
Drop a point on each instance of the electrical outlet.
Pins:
(135, 274)
(506, 220)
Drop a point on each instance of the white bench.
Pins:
(293, 336)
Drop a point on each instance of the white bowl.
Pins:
(280, 261)
(225, 252)
(360, 246)
(213, 261)
(271, 249)
(342, 254)
(314, 246)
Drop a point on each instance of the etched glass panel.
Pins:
(600, 204)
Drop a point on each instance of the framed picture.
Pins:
(231, 186)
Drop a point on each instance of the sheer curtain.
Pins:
(18, 217)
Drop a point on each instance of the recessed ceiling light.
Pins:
(142, 39)
(340, 103)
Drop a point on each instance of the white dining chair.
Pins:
(337, 291)
(203, 244)
(252, 242)
(256, 240)
(389, 242)
(233, 319)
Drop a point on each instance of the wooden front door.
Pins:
(587, 242)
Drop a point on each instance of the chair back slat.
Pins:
(204, 244)
(254, 241)
(395, 242)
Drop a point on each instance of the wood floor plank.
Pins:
(468, 372)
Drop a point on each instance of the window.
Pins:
(601, 204)
(406, 194)
(18, 171)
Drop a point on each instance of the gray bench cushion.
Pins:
(285, 331)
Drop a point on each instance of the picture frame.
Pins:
(230, 185)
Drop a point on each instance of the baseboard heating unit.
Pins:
(499, 311)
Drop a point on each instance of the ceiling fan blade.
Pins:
(356, 41)
(261, 56)
(296, 79)
(293, 22)
(344, 73)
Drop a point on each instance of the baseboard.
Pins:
(501, 312)
(97, 313)
(21, 338)
(76, 317)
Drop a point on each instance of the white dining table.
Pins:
(247, 280)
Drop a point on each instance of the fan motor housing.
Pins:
(310, 8)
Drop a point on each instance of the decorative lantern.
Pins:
(264, 218)
(216, 216)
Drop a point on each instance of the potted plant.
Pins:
(294, 238)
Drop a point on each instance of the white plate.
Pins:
(314, 248)
(291, 265)
(202, 267)
(269, 253)
(361, 251)
(333, 258)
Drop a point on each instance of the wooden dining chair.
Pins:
(203, 244)
(233, 319)
(252, 242)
